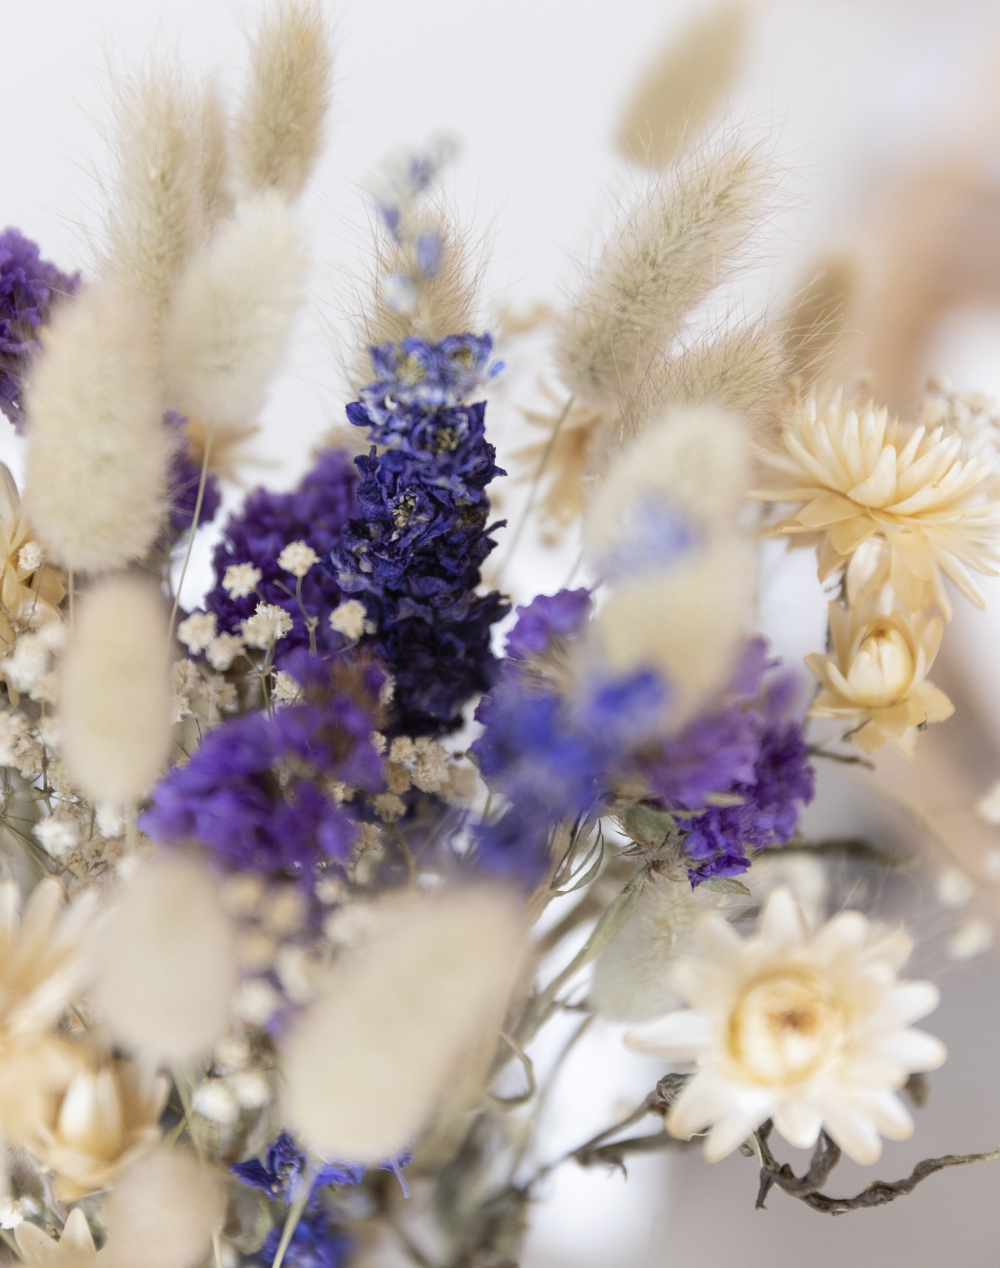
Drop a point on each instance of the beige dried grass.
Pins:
(114, 697)
(279, 130)
(163, 1212)
(676, 242)
(685, 86)
(230, 322)
(97, 449)
(373, 1059)
(156, 204)
(167, 966)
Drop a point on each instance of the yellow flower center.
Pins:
(882, 669)
(785, 1026)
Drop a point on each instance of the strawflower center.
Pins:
(785, 1026)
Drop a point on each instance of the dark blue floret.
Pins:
(413, 554)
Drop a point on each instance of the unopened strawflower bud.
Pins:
(297, 558)
(241, 580)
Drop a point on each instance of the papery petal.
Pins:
(914, 1049)
(705, 1099)
(680, 1036)
(854, 1133)
(782, 922)
(799, 1121)
(753, 1108)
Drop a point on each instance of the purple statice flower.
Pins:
(315, 513)
(183, 480)
(30, 287)
(538, 755)
(316, 1243)
(413, 555)
(625, 710)
(712, 753)
(283, 1166)
(256, 794)
(782, 779)
(545, 619)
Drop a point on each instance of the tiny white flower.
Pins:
(285, 689)
(57, 835)
(30, 557)
(197, 631)
(257, 1001)
(223, 650)
(808, 1029)
(255, 951)
(28, 663)
(251, 1089)
(52, 635)
(241, 893)
(297, 558)
(10, 1208)
(220, 695)
(232, 1053)
(329, 890)
(389, 807)
(403, 749)
(215, 1100)
(266, 626)
(296, 973)
(110, 820)
(972, 938)
(430, 766)
(241, 580)
(46, 689)
(349, 619)
(283, 910)
(377, 741)
(954, 888)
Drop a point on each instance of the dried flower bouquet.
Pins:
(295, 879)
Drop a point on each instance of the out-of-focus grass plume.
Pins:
(373, 1058)
(279, 129)
(167, 961)
(685, 87)
(97, 450)
(114, 697)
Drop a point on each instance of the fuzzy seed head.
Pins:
(114, 693)
(97, 448)
(279, 131)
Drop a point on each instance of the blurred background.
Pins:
(884, 116)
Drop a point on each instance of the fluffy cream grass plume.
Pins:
(163, 1213)
(632, 974)
(744, 370)
(231, 318)
(157, 220)
(814, 328)
(167, 967)
(685, 85)
(279, 131)
(376, 1054)
(677, 240)
(97, 449)
(691, 465)
(213, 167)
(114, 694)
(688, 620)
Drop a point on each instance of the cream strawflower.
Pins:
(30, 590)
(855, 474)
(877, 675)
(106, 1118)
(809, 1030)
(74, 1248)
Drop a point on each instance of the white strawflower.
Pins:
(876, 677)
(297, 558)
(74, 1249)
(855, 475)
(114, 696)
(241, 580)
(223, 650)
(809, 1030)
(266, 626)
(96, 483)
(197, 631)
(349, 619)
